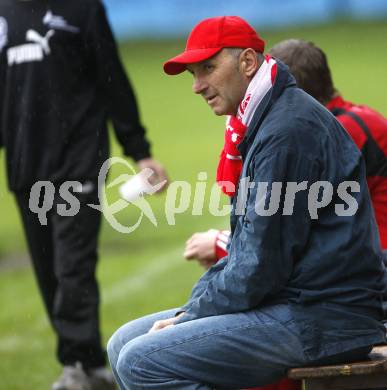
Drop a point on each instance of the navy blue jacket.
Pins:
(327, 269)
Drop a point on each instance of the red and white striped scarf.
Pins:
(230, 163)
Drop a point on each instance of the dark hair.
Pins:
(309, 66)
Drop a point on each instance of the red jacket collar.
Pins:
(338, 102)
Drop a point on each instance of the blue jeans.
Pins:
(230, 351)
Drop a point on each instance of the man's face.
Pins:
(220, 82)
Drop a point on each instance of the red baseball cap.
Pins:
(212, 35)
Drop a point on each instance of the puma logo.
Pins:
(30, 52)
(33, 36)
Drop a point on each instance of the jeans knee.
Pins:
(113, 348)
(127, 365)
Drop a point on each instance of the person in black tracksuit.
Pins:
(61, 79)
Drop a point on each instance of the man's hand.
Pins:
(201, 247)
(162, 324)
(159, 172)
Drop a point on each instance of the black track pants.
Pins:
(64, 257)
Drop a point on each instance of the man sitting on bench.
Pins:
(302, 281)
(368, 128)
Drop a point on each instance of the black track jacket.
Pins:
(61, 79)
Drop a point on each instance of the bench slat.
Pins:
(367, 382)
(376, 364)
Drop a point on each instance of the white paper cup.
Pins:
(134, 188)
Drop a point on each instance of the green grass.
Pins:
(144, 271)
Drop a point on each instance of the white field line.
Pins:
(150, 272)
(129, 285)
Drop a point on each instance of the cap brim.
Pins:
(179, 63)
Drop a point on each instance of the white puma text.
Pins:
(30, 52)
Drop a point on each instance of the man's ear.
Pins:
(249, 63)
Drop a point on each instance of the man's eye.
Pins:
(209, 67)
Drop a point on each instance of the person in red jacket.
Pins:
(368, 128)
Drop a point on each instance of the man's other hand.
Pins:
(163, 324)
(201, 247)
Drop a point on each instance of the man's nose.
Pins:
(199, 85)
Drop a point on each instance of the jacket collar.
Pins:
(284, 79)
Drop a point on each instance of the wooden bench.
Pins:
(370, 374)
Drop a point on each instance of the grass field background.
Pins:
(144, 271)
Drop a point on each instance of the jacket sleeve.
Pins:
(201, 285)
(115, 87)
(263, 249)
